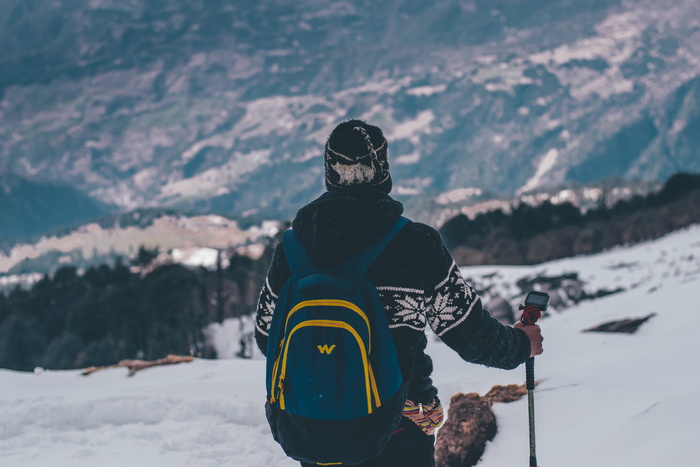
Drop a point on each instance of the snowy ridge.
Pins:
(603, 399)
(166, 233)
(649, 266)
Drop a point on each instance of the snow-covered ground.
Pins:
(604, 399)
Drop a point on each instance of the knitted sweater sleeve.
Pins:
(276, 276)
(455, 313)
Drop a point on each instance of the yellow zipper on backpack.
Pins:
(332, 302)
(370, 383)
(274, 372)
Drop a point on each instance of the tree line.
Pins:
(112, 312)
(535, 234)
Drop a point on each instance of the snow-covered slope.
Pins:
(604, 399)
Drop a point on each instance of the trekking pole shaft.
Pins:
(530, 385)
(535, 304)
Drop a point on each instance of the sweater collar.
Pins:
(341, 222)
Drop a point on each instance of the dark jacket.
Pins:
(417, 280)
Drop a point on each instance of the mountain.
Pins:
(224, 107)
(601, 399)
(29, 208)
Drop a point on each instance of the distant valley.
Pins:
(219, 107)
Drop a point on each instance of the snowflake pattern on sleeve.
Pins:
(451, 302)
(266, 307)
(405, 306)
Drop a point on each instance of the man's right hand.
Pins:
(534, 332)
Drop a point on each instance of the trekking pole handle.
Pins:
(535, 304)
(530, 314)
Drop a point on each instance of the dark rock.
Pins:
(629, 325)
(564, 290)
(550, 282)
(604, 293)
(501, 310)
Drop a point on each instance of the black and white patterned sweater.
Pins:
(417, 280)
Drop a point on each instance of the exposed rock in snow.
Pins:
(628, 325)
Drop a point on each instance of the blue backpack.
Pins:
(335, 393)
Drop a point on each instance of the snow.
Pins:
(427, 90)
(210, 181)
(407, 159)
(201, 414)
(611, 82)
(603, 399)
(617, 38)
(166, 232)
(502, 77)
(8, 282)
(458, 195)
(409, 129)
(615, 41)
(205, 257)
(642, 269)
(227, 337)
(545, 165)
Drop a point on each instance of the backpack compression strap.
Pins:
(364, 259)
(298, 258)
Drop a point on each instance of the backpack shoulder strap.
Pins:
(364, 259)
(297, 256)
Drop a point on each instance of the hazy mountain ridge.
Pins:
(224, 108)
(28, 208)
(96, 242)
(105, 238)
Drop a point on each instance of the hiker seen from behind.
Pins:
(343, 312)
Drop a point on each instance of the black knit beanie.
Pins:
(357, 155)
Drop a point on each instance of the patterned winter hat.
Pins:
(357, 155)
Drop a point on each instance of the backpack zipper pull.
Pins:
(281, 392)
(280, 385)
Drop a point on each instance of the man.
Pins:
(417, 279)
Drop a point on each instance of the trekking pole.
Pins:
(535, 304)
